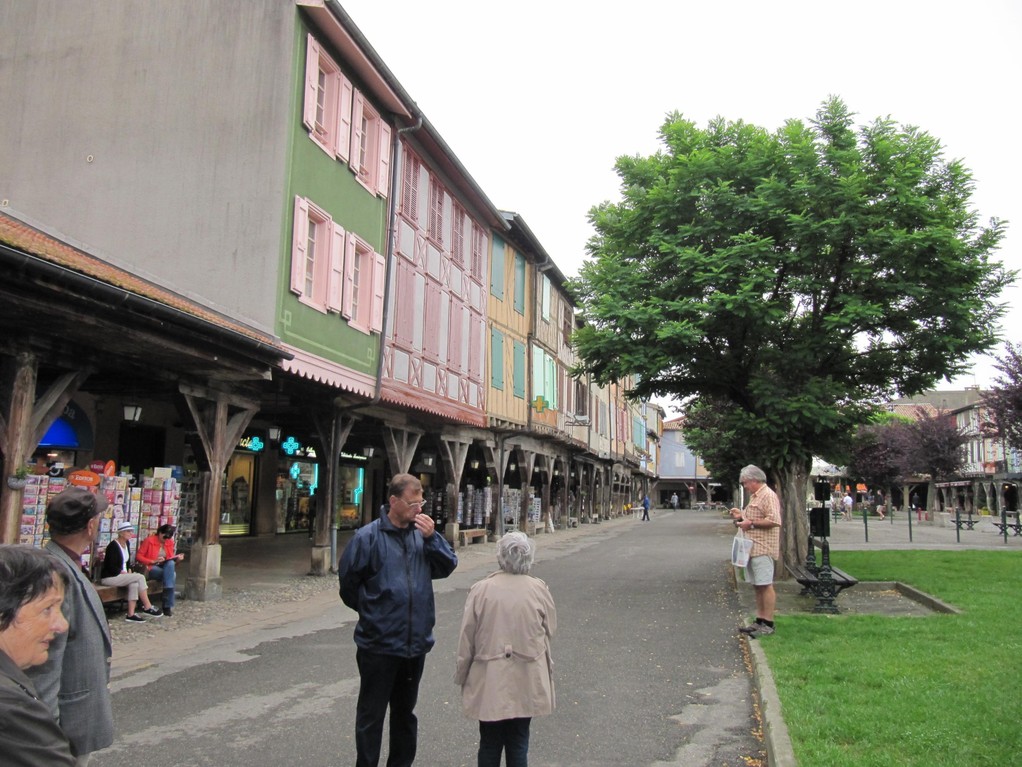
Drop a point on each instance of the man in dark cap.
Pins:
(74, 682)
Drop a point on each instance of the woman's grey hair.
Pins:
(514, 553)
(752, 472)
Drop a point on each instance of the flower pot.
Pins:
(17, 483)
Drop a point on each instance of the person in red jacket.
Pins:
(157, 553)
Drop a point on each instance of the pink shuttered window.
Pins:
(323, 111)
(364, 273)
(458, 236)
(431, 335)
(478, 249)
(317, 255)
(476, 347)
(404, 305)
(370, 147)
(456, 337)
(435, 227)
(410, 186)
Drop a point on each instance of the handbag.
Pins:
(138, 567)
(741, 548)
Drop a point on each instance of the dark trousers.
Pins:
(387, 680)
(508, 735)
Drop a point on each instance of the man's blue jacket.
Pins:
(386, 575)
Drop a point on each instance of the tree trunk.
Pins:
(791, 490)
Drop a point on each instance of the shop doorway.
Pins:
(141, 447)
(236, 499)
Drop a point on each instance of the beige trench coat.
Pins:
(504, 665)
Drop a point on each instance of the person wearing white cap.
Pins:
(115, 573)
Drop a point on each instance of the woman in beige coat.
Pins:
(504, 666)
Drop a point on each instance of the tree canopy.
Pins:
(788, 280)
(1005, 398)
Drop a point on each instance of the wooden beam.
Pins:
(22, 372)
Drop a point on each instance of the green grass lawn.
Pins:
(863, 690)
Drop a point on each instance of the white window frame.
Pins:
(317, 257)
(364, 279)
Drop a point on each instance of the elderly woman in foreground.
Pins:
(32, 587)
(504, 666)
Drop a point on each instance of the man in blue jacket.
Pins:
(386, 575)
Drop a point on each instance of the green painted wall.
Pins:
(331, 184)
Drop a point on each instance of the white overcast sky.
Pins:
(538, 98)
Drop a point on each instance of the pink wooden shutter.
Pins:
(475, 349)
(455, 347)
(383, 174)
(404, 306)
(311, 84)
(431, 328)
(349, 275)
(344, 101)
(299, 244)
(356, 131)
(410, 190)
(335, 280)
(379, 287)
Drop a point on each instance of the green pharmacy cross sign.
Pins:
(540, 404)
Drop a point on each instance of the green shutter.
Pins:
(519, 283)
(497, 269)
(519, 370)
(496, 359)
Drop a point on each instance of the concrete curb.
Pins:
(780, 752)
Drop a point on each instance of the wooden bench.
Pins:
(823, 581)
(1003, 527)
(469, 536)
(111, 595)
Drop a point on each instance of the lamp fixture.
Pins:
(474, 463)
(427, 459)
(132, 413)
(512, 466)
(273, 434)
(368, 451)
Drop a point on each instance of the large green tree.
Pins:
(788, 280)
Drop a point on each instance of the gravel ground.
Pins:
(188, 613)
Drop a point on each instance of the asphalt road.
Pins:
(649, 671)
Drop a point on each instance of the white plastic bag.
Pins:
(741, 548)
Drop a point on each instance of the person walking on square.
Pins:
(386, 575)
(846, 506)
(74, 682)
(760, 521)
(114, 572)
(157, 553)
(645, 508)
(504, 667)
(674, 501)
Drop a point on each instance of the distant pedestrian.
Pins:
(914, 503)
(761, 521)
(386, 575)
(674, 501)
(847, 505)
(645, 508)
(879, 500)
(505, 669)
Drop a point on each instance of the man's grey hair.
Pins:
(752, 472)
(514, 553)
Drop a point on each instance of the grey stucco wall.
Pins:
(155, 135)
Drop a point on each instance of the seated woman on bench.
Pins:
(157, 553)
(115, 572)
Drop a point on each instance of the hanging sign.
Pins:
(83, 478)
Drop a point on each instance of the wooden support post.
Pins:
(219, 430)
